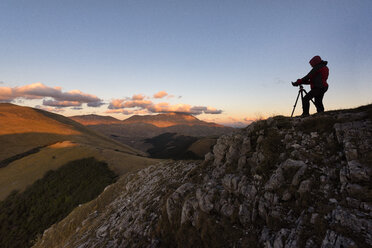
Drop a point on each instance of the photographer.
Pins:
(317, 78)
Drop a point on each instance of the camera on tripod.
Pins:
(301, 92)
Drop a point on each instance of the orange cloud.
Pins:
(165, 107)
(160, 94)
(5, 94)
(138, 97)
(124, 103)
(126, 111)
(40, 91)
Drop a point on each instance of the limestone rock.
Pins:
(305, 186)
(276, 180)
(334, 240)
(282, 182)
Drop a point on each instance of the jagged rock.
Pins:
(175, 201)
(286, 196)
(310, 243)
(314, 135)
(298, 175)
(246, 146)
(305, 186)
(334, 240)
(276, 180)
(247, 190)
(280, 237)
(242, 162)
(189, 211)
(355, 189)
(205, 199)
(357, 222)
(231, 182)
(292, 164)
(244, 214)
(227, 207)
(250, 192)
(357, 172)
(209, 157)
(314, 218)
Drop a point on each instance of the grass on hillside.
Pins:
(25, 171)
(171, 145)
(25, 215)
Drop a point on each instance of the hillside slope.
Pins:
(95, 119)
(279, 182)
(134, 130)
(168, 120)
(34, 141)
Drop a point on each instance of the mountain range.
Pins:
(136, 129)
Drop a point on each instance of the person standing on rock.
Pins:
(317, 78)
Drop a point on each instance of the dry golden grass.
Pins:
(61, 140)
(63, 144)
(24, 172)
(122, 163)
(202, 146)
(24, 128)
(16, 119)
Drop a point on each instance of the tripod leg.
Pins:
(294, 107)
(311, 98)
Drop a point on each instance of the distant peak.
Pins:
(168, 119)
(93, 119)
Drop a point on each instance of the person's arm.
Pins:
(304, 80)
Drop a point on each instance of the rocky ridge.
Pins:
(279, 182)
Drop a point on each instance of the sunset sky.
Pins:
(224, 61)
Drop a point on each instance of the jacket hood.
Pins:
(315, 60)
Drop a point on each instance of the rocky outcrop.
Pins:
(279, 182)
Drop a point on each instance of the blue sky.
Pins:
(234, 56)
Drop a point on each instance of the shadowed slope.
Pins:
(30, 145)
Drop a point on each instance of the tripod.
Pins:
(301, 92)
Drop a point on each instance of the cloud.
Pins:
(127, 111)
(136, 103)
(50, 109)
(165, 107)
(205, 110)
(61, 104)
(95, 104)
(249, 120)
(160, 94)
(40, 91)
(124, 103)
(6, 94)
(1, 82)
(138, 97)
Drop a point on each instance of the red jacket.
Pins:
(317, 77)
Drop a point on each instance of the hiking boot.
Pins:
(304, 115)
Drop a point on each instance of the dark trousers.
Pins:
(318, 94)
